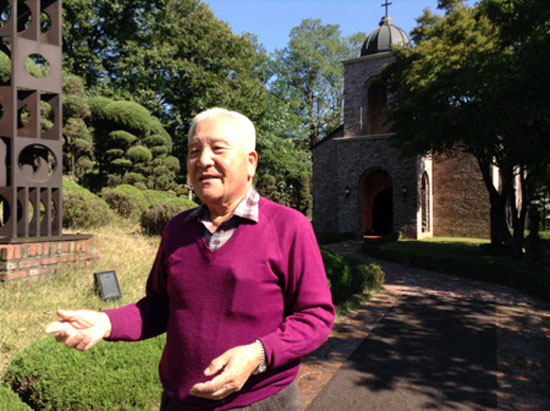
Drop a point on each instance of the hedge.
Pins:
(348, 276)
(82, 208)
(11, 401)
(111, 376)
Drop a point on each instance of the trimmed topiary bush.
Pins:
(128, 201)
(156, 217)
(82, 208)
(348, 276)
(110, 376)
(164, 206)
(11, 401)
(367, 276)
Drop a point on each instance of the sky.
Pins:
(272, 20)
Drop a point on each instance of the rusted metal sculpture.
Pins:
(30, 119)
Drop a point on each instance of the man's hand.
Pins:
(236, 366)
(80, 329)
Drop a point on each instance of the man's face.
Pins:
(219, 167)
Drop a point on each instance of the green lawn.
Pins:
(465, 257)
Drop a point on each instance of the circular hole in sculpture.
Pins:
(45, 22)
(5, 12)
(37, 65)
(4, 211)
(24, 17)
(37, 162)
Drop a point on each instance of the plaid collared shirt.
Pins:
(246, 210)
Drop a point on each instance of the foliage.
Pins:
(309, 76)
(157, 216)
(172, 56)
(5, 68)
(78, 152)
(128, 201)
(284, 172)
(11, 401)
(83, 209)
(110, 376)
(347, 275)
(132, 202)
(477, 73)
(467, 258)
(131, 145)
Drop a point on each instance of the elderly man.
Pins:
(238, 285)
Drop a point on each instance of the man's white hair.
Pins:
(248, 132)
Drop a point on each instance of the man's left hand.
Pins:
(236, 366)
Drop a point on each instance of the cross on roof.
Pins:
(386, 4)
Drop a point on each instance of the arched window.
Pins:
(376, 108)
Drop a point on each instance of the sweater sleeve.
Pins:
(309, 311)
(149, 316)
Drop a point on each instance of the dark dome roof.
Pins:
(384, 37)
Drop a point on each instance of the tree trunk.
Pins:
(500, 235)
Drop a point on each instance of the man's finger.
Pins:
(56, 327)
(216, 365)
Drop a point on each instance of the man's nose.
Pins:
(205, 157)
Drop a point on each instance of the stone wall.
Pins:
(461, 201)
(325, 186)
(29, 260)
(358, 75)
(349, 159)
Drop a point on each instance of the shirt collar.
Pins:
(248, 208)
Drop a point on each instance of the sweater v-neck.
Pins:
(205, 248)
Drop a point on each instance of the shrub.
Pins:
(83, 209)
(111, 376)
(367, 277)
(156, 217)
(121, 138)
(348, 276)
(139, 154)
(164, 206)
(11, 401)
(129, 116)
(98, 107)
(128, 201)
(75, 106)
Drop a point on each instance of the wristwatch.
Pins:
(263, 364)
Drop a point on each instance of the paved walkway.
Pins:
(510, 330)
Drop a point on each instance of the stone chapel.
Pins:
(363, 185)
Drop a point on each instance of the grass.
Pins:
(465, 257)
(27, 306)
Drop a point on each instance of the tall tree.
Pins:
(468, 80)
(172, 56)
(308, 76)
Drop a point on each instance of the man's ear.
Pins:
(252, 164)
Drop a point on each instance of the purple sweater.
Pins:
(267, 282)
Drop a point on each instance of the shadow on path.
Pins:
(429, 352)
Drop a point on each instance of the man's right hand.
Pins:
(80, 329)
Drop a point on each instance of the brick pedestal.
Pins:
(33, 258)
